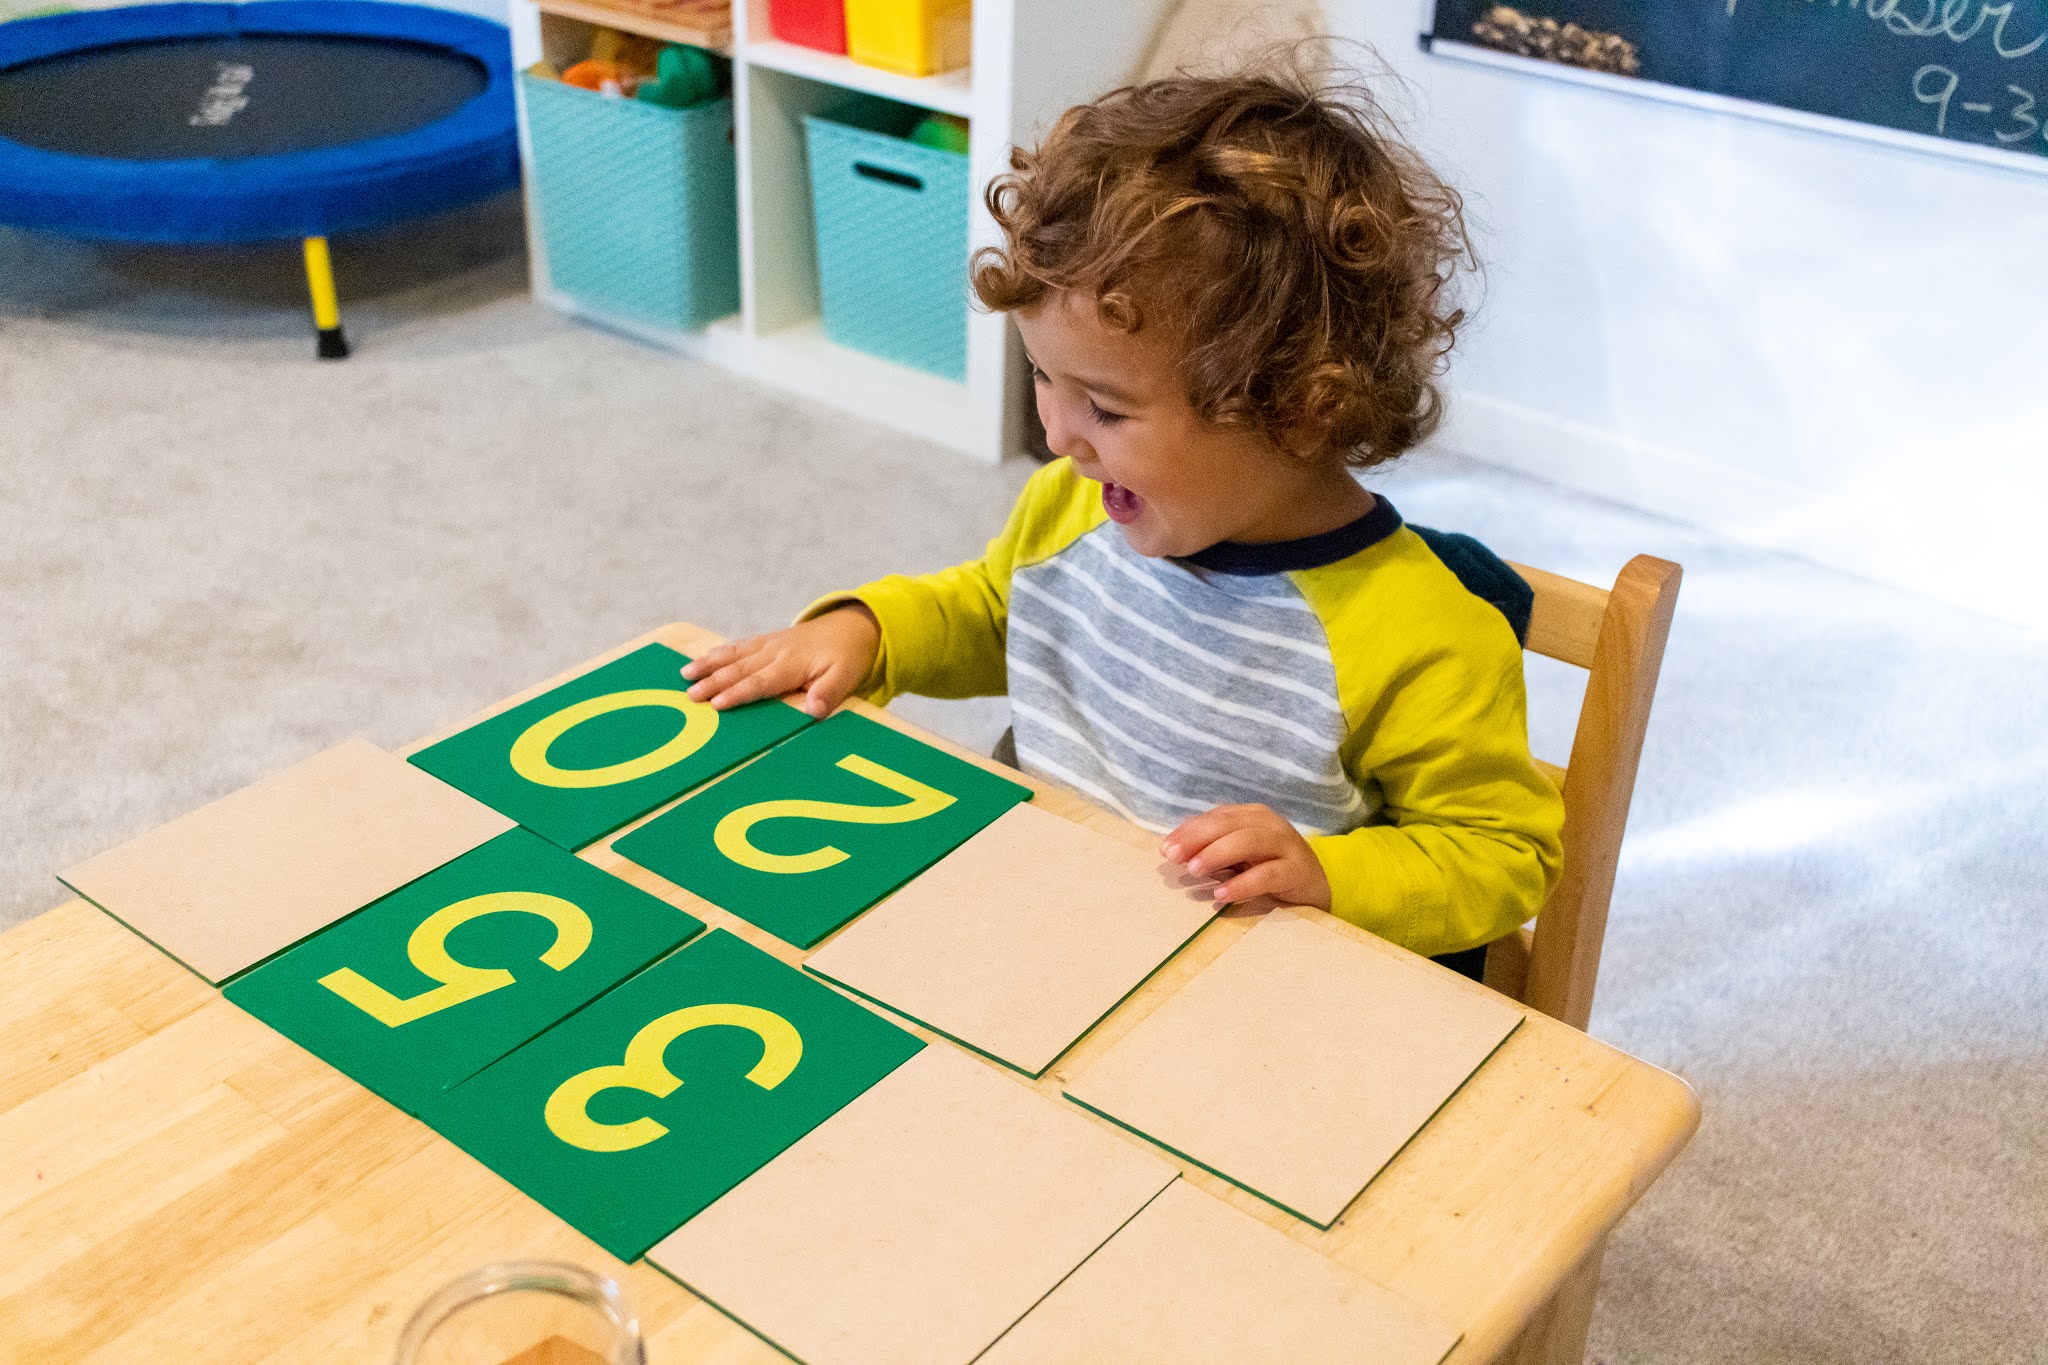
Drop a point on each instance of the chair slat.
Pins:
(1565, 622)
(1565, 955)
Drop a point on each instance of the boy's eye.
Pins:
(1100, 415)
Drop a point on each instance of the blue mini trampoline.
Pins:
(212, 123)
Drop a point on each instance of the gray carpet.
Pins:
(218, 556)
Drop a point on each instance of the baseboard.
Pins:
(1868, 530)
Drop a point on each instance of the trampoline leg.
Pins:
(326, 312)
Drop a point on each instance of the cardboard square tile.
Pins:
(232, 883)
(577, 762)
(1298, 1063)
(823, 827)
(633, 1114)
(1022, 939)
(428, 986)
(917, 1223)
(1192, 1281)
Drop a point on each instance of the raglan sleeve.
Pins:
(1469, 847)
(944, 633)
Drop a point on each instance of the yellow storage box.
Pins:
(911, 37)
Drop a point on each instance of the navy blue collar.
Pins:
(1309, 552)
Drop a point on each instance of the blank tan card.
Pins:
(1191, 1281)
(916, 1224)
(1021, 939)
(1298, 1063)
(231, 883)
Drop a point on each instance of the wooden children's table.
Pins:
(180, 1182)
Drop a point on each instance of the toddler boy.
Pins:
(1233, 294)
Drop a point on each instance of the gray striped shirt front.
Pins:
(1160, 689)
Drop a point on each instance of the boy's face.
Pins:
(1113, 402)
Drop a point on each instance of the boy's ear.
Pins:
(1306, 440)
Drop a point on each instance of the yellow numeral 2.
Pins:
(568, 1110)
(530, 750)
(731, 834)
(428, 949)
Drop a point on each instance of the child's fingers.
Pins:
(721, 659)
(710, 687)
(1196, 833)
(770, 680)
(759, 675)
(1270, 878)
(830, 688)
(1239, 846)
(713, 660)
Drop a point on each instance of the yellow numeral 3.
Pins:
(568, 1111)
(530, 750)
(731, 834)
(428, 949)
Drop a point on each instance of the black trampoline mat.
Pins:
(254, 95)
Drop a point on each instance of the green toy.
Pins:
(683, 77)
(945, 132)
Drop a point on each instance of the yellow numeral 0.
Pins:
(568, 1110)
(428, 949)
(530, 750)
(731, 834)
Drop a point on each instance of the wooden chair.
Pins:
(1618, 637)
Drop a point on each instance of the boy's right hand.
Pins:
(824, 658)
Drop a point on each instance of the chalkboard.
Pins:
(1964, 75)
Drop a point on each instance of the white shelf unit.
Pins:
(1032, 59)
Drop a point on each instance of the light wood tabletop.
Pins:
(181, 1182)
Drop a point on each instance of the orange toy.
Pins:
(592, 74)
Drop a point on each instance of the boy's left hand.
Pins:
(1253, 851)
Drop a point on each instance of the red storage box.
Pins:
(811, 23)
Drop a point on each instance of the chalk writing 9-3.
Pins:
(1936, 85)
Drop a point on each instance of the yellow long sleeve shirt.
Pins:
(1350, 681)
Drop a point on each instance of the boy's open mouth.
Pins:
(1121, 503)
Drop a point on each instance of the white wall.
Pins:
(1808, 341)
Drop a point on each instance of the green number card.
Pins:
(821, 829)
(634, 1115)
(574, 764)
(421, 990)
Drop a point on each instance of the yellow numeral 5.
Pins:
(731, 834)
(428, 949)
(530, 750)
(568, 1111)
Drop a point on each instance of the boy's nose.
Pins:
(1061, 436)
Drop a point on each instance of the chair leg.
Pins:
(326, 310)
(1557, 1334)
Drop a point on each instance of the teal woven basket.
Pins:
(637, 205)
(891, 219)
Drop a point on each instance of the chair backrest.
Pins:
(1618, 637)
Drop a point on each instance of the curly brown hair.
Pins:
(1302, 251)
